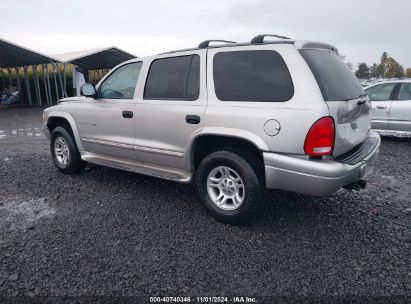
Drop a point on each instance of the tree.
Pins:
(363, 71)
(381, 68)
(408, 72)
(384, 56)
(350, 66)
(388, 67)
(373, 70)
(379, 71)
(392, 68)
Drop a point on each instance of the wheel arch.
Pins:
(211, 139)
(55, 119)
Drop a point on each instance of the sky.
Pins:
(360, 29)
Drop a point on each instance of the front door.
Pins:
(380, 96)
(170, 109)
(400, 112)
(106, 123)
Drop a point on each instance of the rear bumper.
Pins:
(318, 178)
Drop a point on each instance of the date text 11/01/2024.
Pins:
(236, 299)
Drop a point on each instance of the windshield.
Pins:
(333, 76)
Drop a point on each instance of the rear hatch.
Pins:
(348, 104)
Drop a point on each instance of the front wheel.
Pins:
(64, 152)
(230, 185)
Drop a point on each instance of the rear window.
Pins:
(251, 76)
(405, 92)
(174, 78)
(333, 76)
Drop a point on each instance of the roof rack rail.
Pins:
(206, 43)
(260, 38)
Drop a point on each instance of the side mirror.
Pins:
(88, 90)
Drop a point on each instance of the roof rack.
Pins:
(260, 38)
(206, 43)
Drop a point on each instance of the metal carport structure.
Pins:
(14, 57)
(93, 60)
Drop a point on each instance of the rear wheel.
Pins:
(230, 185)
(64, 152)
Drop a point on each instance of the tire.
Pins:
(62, 144)
(211, 184)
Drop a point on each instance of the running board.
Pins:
(138, 167)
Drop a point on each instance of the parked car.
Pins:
(235, 118)
(367, 83)
(10, 97)
(391, 105)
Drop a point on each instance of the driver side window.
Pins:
(121, 84)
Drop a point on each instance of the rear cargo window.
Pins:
(251, 76)
(333, 76)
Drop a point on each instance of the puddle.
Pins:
(28, 132)
(20, 213)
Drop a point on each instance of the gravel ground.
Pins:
(111, 233)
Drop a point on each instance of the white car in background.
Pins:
(391, 105)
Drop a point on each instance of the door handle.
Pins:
(127, 114)
(381, 107)
(193, 119)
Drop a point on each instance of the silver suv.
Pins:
(235, 118)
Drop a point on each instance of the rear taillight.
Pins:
(320, 138)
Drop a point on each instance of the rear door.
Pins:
(381, 96)
(400, 111)
(344, 95)
(170, 108)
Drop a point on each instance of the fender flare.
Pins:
(70, 120)
(252, 138)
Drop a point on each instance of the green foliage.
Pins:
(363, 71)
(373, 70)
(408, 72)
(387, 68)
(384, 56)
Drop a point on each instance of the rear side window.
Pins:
(252, 76)
(333, 76)
(405, 92)
(175, 78)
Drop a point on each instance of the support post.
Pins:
(17, 69)
(36, 88)
(95, 76)
(3, 81)
(10, 79)
(55, 80)
(65, 78)
(26, 77)
(48, 84)
(38, 85)
(61, 84)
(45, 84)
